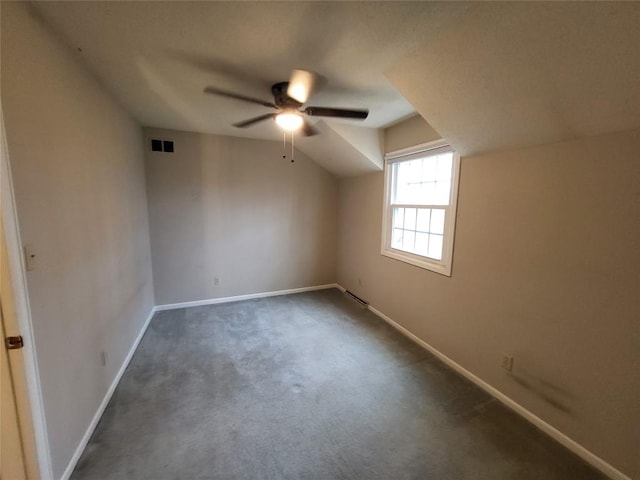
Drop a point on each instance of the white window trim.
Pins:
(444, 265)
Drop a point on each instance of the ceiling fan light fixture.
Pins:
(289, 121)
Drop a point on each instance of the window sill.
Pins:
(418, 261)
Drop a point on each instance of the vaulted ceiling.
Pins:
(486, 76)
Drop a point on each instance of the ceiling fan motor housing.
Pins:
(280, 97)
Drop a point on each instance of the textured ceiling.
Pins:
(486, 76)
(523, 74)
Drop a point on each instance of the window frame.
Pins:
(443, 266)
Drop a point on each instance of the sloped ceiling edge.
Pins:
(516, 75)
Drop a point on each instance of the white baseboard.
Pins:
(105, 401)
(237, 298)
(554, 433)
(560, 437)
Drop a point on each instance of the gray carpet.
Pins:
(306, 386)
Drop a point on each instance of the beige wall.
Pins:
(545, 268)
(408, 133)
(78, 174)
(234, 209)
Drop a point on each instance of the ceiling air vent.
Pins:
(162, 146)
(156, 145)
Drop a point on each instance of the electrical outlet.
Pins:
(103, 358)
(216, 281)
(29, 258)
(507, 362)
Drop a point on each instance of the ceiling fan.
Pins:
(288, 100)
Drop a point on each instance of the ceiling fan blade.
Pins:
(237, 96)
(301, 84)
(251, 121)
(336, 112)
(308, 130)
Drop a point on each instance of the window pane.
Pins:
(410, 218)
(435, 247)
(445, 162)
(400, 178)
(437, 221)
(415, 170)
(441, 196)
(429, 169)
(398, 217)
(430, 194)
(422, 223)
(407, 182)
(396, 238)
(422, 244)
(408, 241)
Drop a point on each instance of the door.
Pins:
(12, 460)
(18, 459)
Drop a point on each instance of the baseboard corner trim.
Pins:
(105, 401)
(249, 296)
(550, 430)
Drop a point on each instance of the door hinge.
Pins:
(13, 343)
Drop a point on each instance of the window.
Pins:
(421, 186)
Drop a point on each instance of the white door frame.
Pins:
(23, 312)
(13, 457)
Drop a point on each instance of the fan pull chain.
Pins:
(292, 135)
(284, 144)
